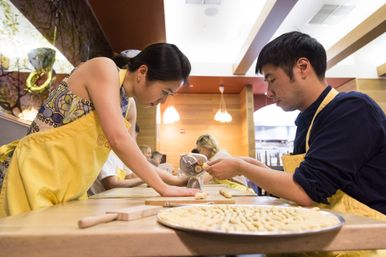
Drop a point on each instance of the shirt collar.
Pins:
(305, 117)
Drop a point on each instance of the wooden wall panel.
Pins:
(247, 125)
(375, 88)
(348, 86)
(197, 117)
(146, 120)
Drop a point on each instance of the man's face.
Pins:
(157, 159)
(281, 88)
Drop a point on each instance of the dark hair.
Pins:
(195, 150)
(285, 50)
(165, 62)
(155, 153)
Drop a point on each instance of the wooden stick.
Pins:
(94, 220)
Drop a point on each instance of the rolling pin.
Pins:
(126, 214)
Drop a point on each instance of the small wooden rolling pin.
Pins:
(131, 213)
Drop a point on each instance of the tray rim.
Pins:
(251, 233)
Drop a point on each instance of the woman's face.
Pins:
(204, 150)
(151, 93)
(156, 92)
(147, 153)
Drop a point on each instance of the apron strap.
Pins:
(329, 97)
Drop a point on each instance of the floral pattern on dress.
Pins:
(61, 107)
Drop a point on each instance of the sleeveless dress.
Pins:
(60, 157)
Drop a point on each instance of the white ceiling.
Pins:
(214, 42)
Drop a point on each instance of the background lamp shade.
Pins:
(222, 114)
(170, 115)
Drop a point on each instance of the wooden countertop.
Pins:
(53, 232)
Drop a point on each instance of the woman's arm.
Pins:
(101, 80)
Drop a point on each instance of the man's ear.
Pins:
(304, 66)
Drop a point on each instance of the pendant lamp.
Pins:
(222, 114)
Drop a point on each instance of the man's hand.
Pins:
(225, 168)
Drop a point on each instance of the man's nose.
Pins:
(269, 93)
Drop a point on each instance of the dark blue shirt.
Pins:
(347, 150)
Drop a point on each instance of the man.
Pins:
(345, 149)
(156, 157)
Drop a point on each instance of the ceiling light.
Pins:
(222, 114)
(171, 114)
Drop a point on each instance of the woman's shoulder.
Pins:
(100, 64)
(96, 69)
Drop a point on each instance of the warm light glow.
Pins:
(28, 114)
(171, 115)
(222, 114)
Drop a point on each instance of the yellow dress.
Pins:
(54, 165)
(338, 202)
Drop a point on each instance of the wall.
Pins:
(12, 128)
(375, 88)
(147, 124)
(247, 125)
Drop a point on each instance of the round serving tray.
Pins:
(165, 217)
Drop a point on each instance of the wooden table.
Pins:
(54, 232)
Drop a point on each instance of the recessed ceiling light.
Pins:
(211, 11)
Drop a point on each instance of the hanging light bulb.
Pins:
(222, 114)
(171, 115)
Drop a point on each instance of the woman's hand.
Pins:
(178, 191)
(225, 168)
(172, 179)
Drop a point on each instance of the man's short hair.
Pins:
(286, 49)
(155, 154)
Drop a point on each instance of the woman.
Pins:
(207, 145)
(81, 121)
(146, 151)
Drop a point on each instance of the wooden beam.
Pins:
(369, 29)
(381, 70)
(272, 15)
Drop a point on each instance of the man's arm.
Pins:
(276, 182)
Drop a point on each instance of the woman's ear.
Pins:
(141, 72)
